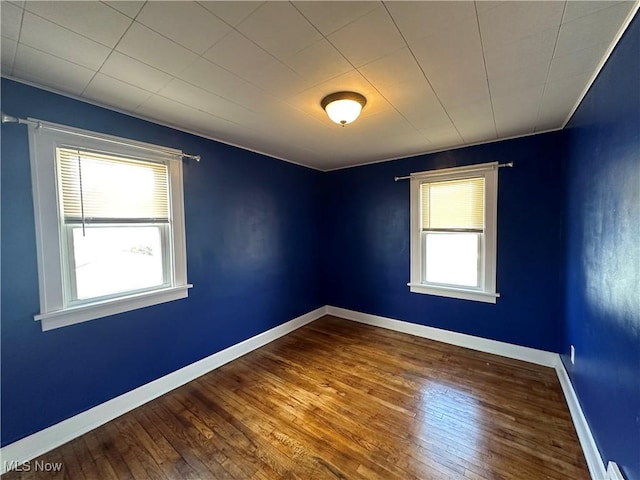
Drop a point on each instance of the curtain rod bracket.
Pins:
(9, 119)
(38, 124)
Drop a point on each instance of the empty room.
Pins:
(320, 240)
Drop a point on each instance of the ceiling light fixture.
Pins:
(343, 107)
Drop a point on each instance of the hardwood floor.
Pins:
(341, 400)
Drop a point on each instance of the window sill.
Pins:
(474, 295)
(83, 313)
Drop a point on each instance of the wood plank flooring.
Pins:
(340, 400)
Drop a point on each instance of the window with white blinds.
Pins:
(453, 205)
(453, 232)
(110, 226)
(101, 188)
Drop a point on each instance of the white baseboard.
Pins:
(613, 472)
(531, 355)
(45, 440)
(587, 442)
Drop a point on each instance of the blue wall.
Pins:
(251, 243)
(366, 232)
(291, 239)
(603, 255)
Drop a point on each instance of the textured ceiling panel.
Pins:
(436, 75)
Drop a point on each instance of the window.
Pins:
(109, 224)
(453, 232)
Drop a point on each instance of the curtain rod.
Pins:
(39, 124)
(500, 165)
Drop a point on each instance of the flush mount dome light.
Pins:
(343, 107)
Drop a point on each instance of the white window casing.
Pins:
(58, 307)
(485, 288)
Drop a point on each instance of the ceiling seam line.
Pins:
(423, 72)
(235, 29)
(143, 117)
(486, 72)
(15, 55)
(136, 60)
(345, 25)
(55, 56)
(198, 56)
(219, 82)
(113, 49)
(446, 149)
(623, 28)
(356, 68)
(416, 129)
(195, 108)
(553, 54)
(116, 10)
(24, 10)
(330, 43)
(178, 77)
(201, 56)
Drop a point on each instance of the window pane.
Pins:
(117, 259)
(452, 258)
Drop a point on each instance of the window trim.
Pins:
(44, 138)
(487, 293)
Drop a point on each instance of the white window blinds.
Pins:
(453, 205)
(101, 188)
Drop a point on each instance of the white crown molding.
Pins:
(603, 61)
(595, 75)
(156, 121)
(259, 152)
(440, 150)
(45, 440)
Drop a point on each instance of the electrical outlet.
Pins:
(573, 355)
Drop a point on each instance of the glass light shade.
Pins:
(343, 111)
(343, 107)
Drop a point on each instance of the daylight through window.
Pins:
(109, 224)
(453, 232)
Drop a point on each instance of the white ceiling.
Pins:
(436, 75)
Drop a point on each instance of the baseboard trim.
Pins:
(531, 355)
(28, 448)
(613, 472)
(587, 442)
(34, 445)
